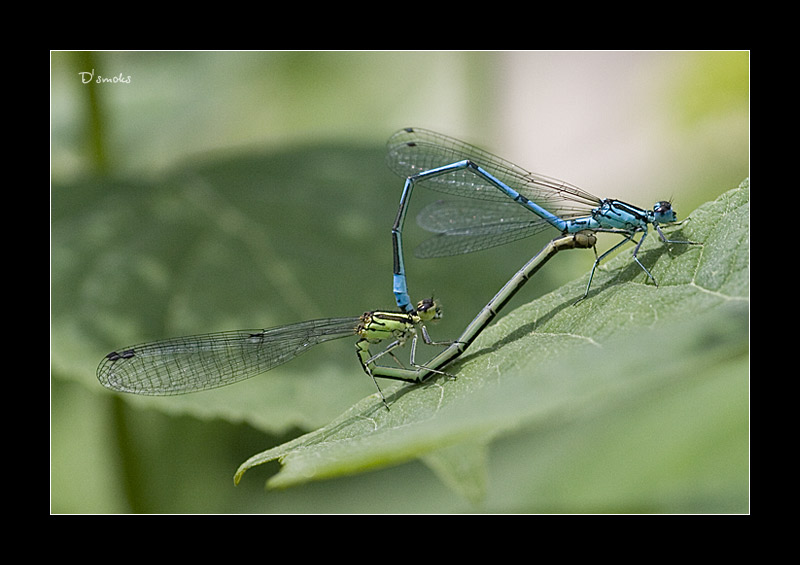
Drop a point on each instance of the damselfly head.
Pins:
(663, 212)
(428, 309)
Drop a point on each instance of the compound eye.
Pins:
(662, 207)
(425, 305)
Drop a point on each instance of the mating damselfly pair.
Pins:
(506, 197)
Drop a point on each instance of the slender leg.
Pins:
(665, 240)
(626, 238)
(636, 258)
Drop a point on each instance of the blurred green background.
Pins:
(226, 190)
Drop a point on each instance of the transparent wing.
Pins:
(413, 150)
(188, 364)
(451, 215)
(476, 239)
(466, 226)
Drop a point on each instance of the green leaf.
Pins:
(636, 399)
